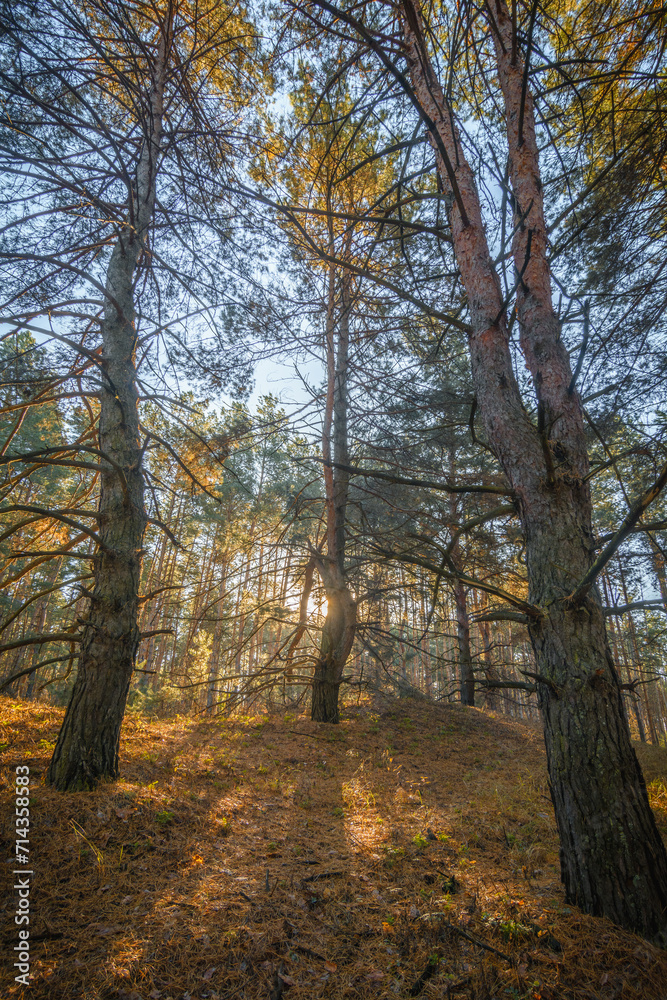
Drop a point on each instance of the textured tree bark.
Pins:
(87, 746)
(613, 861)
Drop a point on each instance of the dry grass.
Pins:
(266, 856)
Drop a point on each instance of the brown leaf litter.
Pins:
(406, 852)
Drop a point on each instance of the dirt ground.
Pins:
(410, 851)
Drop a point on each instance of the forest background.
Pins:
(191, 191)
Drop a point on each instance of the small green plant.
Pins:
(444, 836)
(338, 811)
(450, 886)
(512, 930)
(224, 827)
(393, 854)
(262, 770)
(151, 758)
(164, 818)
(419, 841)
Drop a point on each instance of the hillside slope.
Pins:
(410, 851)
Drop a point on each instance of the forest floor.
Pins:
(409, 851)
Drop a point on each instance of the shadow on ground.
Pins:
(407, 852)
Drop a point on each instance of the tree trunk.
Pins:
(38, 624)
(214, 660)
(337, 639)
(613, 861)
(340, 623)
(640, 672)
(618, 647)
(463, 636)
(460, 600)
(488, 664)
(87, 746)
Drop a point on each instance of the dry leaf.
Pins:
(375, 976)
(209, 973)
(288, 981)
(330, 966)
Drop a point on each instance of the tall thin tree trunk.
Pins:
(620, 658)
(460, 602)
(613, 861)
(214, 659)
(488, 664)
(463, 636)
(636, 659)
(87, 746)
(38, 626)
(341, 620)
